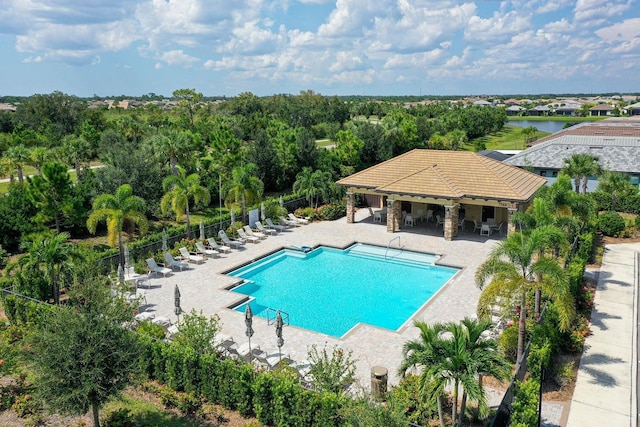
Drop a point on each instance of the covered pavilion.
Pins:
(456, 186)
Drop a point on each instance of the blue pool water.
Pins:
(330, 290)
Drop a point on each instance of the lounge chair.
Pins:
(190, 256)
(277, 227)
(263, 230)
(155, 268)
(245, 237)
(216, 247)
(200, 249)
(303, 221)
(231, 243)
(288, 222)
(172, 263)
(257, 234)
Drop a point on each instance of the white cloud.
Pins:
(596, 12)
(621, 31)
(500, 27)
(178, 57)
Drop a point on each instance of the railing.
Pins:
(272, 313)
(389, 245)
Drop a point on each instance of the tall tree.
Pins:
(580, 167)
(37, 157)
(19, 156)
(188, 101)
(313, 185)
(178, 190)
(172, 145)
(75, 151)
(52, 194)
(115, 209)
(514, 268)
(81, 356)
(244, 188)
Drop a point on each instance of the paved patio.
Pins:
(203, 286)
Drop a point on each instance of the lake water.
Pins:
(544, 126)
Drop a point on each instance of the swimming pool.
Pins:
(331, 290)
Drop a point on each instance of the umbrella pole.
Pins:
(250, 353)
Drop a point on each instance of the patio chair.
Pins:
(261, 229)
(155, 268)
(277, 227)
(190, 256)
(485, 230)
(419, 215)
(245, 237)
(231, 243)
(299, 220)
(201, 250)
(216, 247)
(288, 222)
(476, 225)
(439, 221)
(408, 220)
(172, 263)
(257, 234)
(461, 223)
(429, 215)
(377, 217)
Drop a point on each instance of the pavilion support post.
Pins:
(455, 216)
(511, 227)
(450, 227)
(351, 208)
(394, 215)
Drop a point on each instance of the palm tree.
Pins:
(616, 183)
(50, 258)
(245, 187)
(517, 265)
(455, 354)
(178, 190)
(19, 156)
(313, 185)
(115, 210)
(172, 145)
(580, 167)
(38, 156)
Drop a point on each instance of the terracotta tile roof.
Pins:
(447, 174)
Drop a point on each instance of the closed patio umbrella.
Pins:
(164, 239)
(127, 259)
(262, 212)
(120, 274)
(281, 202)
(233, 216)
(248, 321)
(201, 230)
(176, 301)
(279, 325)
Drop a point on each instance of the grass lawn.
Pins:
(509, 138)
(321, 143)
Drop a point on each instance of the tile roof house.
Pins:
(423, 180)
(616, 142)
(539, 110)
(601, 110)
(633, 109)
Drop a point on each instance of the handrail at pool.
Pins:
(389, 244)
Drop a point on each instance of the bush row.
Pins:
(627, 204)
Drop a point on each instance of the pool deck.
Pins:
(203, 288)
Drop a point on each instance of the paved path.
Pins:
(606, 376)
(203, 288)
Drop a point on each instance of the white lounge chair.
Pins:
(257, 234)
(190, 256)
(303, 221)
(155, 268)
(244, 236)
(288, 222)
(200, 249)
(261, 229)
(277, 227)
(172, 263)
(216, 247)
(231, 243)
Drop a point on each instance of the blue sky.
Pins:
(341, 47)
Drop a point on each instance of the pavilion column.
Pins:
(450, 222)
(394, 215)
(511, 227)
(351, 211)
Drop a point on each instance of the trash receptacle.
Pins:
(379, 375)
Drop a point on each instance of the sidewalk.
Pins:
(603, 394)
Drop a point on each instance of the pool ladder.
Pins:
(271, 316)
(389, 245)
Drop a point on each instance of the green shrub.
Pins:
(524, 411)
(119, 418)
(539, 355)
(4, 257)
(610, 223)
(508, 342)
(332, 211)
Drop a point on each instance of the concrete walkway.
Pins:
(604, 394)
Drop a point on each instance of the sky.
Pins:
(333, 47)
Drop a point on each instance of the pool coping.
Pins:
(355, 328)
